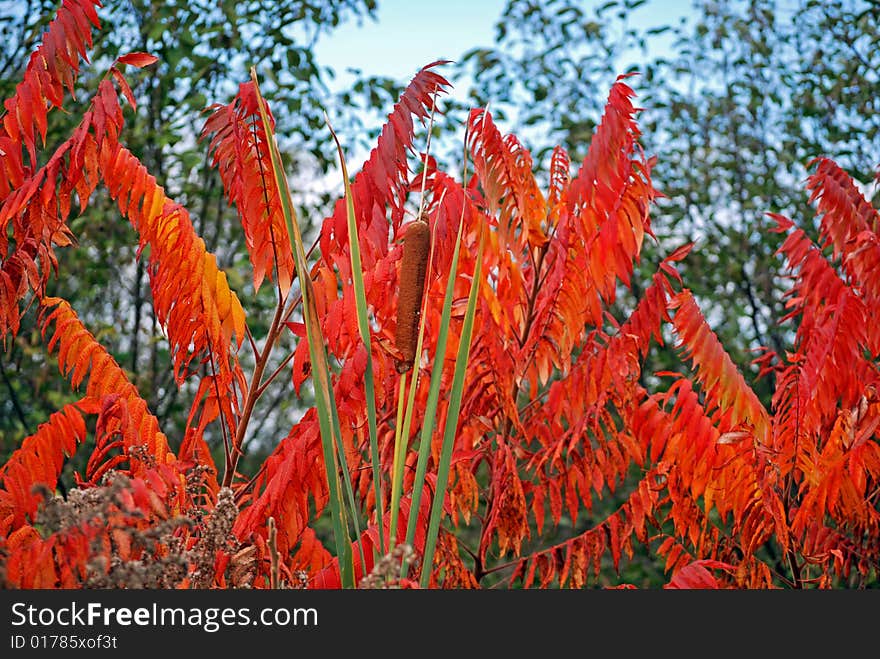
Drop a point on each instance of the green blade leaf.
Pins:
(449, 431)
(364, 328)
(325, 401)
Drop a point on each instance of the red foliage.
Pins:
(241, 153)
(569, 458)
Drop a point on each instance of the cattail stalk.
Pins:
(414, 265)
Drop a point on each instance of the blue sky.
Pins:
(408, 34)
(411, 33)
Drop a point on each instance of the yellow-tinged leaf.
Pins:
(157, 203)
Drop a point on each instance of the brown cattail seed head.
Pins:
(413, 266)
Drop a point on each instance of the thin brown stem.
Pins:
(427, 151)
(242, 491)
(223, 429)
(502, 566)
(253, 394)
(275, 373)
(250, 337)
(298, 299)
(274, 580)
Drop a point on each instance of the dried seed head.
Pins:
(413, 267)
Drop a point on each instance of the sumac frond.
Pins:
(52, 67)
(200, 313)
(38, 461)
(80, 355)
(240, 149)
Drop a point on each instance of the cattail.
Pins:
(416, 244)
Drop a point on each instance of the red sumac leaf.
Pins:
(138, 59)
